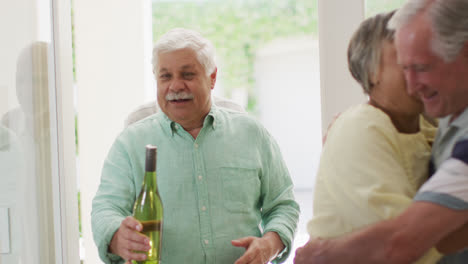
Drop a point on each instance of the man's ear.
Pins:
(213, 78)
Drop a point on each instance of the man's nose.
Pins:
(177, 85)
(412, 83)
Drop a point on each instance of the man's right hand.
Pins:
(316, 251)
(127, 239)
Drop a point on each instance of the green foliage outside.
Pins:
(76, 136)
(238, 29)
(374, 7)
(79, 213)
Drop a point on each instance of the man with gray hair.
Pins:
(432, 44)
(223, 183)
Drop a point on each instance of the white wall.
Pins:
(338, 20)
(288, 84)
(288, 76)
(113, 41)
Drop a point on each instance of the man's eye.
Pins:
(421, 68)
(165, 76)
(188, 74)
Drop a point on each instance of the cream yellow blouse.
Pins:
(368, 172)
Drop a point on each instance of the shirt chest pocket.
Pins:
(240, 188)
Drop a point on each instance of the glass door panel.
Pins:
(28, 151)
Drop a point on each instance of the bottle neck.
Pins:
(150, 180)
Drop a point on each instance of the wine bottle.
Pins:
(148, 209)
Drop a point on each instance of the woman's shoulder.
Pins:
(364, 117)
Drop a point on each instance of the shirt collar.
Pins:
(211, 121)
(461, 120)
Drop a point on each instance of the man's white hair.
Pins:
(181, 38)
(449, 21)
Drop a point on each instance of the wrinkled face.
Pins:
(390, 92)
(184, 90)
(442, 86)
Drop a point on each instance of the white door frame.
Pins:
(338, 20)
(65, 189)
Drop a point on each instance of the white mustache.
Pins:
(179, 96)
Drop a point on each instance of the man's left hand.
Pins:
(259, 250)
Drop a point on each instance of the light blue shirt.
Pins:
(229, 182)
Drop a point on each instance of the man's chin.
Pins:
(180, 116)
(435, 113)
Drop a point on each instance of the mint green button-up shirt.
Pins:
(229, 182)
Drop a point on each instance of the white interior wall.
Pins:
(288, 85)
(112, 71)
(338, 20)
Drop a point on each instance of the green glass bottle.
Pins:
(148, 208)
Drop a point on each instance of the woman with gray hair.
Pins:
(377, 153)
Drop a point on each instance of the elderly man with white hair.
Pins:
(226, 191)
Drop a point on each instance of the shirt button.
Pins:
(200, 177)
(195, 145)
(203, 208)
(206, 241)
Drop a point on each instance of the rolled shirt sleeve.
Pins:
(280, 212)
(449, 185)
(113, 201)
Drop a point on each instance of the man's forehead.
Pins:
(412, 43)
(416, 32)
(189, 66)
(178, 60)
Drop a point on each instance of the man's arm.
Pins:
(454, 242)
(408, 236)
(400, 240)
(449, 186)
(113, 201)
(279, 210)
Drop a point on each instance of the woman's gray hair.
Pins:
(449, 20)
(365, 48)
(181, 38)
